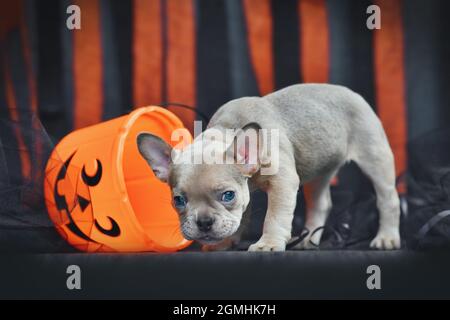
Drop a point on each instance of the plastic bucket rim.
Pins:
(119, 177)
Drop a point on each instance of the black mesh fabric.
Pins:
(24, 223)
(428, 226)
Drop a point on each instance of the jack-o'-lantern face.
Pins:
(75, 201)
(73, 209)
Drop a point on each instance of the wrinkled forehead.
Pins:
(204, 178)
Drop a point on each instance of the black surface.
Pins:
(228, 275)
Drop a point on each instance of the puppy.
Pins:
(318, 128)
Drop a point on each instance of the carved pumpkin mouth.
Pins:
(63, 206)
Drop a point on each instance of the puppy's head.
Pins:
(209, 198)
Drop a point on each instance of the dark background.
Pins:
(204, 53)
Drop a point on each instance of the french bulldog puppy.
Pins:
(319, 127)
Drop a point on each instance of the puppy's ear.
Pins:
(245, 149)
(157, 153)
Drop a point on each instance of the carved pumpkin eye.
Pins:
(95, 179)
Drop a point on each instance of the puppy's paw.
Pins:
(386, 240)
(265, 244)
(221, 246)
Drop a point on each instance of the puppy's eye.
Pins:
(228, 196)
(179, 201)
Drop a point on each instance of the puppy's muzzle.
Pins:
(205, 223)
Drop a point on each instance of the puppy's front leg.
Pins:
(282, 198)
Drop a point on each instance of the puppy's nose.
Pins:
(205, 223)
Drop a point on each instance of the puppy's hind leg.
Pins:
(377, 162)
(318, 201)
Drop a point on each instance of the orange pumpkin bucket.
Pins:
(101, 194)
